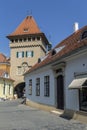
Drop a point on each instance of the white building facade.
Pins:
(38, 93)
(76, 69)
(60, 80)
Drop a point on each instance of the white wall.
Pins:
(40, 74)
(77, 64)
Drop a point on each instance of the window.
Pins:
(46, 86)
(29, 39)
(19, 72)
(9, 89)
(25, 29)
(20, 40)
(16, 40)
(83, 99)
(33, 38)
(12, 40)
(38, 38)
(24, 67)
(4, 88)
(20, 54)
(6, 75)
(30, 87)
(38, 87)
(84, 35)
(25, 39)
(29, 53)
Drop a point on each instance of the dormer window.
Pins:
(53, 52)
(84, 34)
(25, 29)
(57, 50)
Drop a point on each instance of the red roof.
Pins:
(3, 58)
(66, 47)
(28, 26)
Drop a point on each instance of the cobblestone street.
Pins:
(16, 116)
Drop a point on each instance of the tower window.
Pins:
(19, 70)
(16, 40)
(38, 38)
(37, 86)
(12, 40)
(20, 40)
(33, 38)
(29, 53)
(20, 54)
(25, 39)
(29, 39)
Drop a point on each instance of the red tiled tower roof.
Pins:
(27, 26)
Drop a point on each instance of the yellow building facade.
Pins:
(6, 83)
(6, 88)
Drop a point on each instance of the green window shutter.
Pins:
(26, 53)
(32, 53)
(17, 54)
(22, 53)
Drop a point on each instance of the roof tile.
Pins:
(28, 26)
(70, 44)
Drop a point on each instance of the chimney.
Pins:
(76, 26)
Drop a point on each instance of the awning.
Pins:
(78, 83)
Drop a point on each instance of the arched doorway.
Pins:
(60, 92)
(19, 89)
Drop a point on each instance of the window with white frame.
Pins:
(38, 87)
(46, 86)
(30, 87)
(29, 53)
(20, 54)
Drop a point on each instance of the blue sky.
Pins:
(54, 17)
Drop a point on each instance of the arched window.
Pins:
(25, 66)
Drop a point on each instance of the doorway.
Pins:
(19, 90)
(60, 92)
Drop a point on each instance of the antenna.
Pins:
(29, 12)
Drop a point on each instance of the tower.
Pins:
(27, 44)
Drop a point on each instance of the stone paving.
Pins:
(16, 116)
